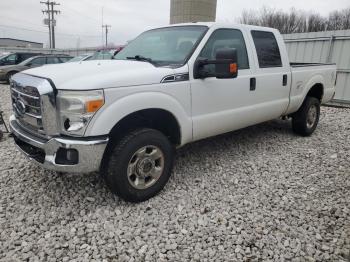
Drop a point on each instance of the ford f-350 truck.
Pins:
(168, 87)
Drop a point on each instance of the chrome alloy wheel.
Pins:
(145, 167)
(311, 116)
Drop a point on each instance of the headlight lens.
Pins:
(76, 109)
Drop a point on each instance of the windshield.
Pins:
(164, 46)
(8, 57)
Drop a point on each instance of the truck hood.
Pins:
(99, 74)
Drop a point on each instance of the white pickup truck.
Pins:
(168, 87)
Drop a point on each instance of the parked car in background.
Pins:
(16, 58)
(80, 58)
(6, 72)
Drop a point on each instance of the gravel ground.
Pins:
(260, 193)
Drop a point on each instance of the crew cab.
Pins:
(168, 87)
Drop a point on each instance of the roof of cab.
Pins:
(223, 25)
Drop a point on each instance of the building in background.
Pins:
(11, 42)
(184, 11)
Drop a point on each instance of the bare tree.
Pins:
(296, 21)
(339, 20)
(316, 23)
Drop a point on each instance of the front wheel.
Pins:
(139, 165)
(305, 120)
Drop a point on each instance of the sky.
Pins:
(79, 23)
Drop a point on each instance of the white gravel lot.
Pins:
(261, 193)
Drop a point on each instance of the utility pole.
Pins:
(106, 31)
(50, 21)
(53, 12)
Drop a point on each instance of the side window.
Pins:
(52, 60)
(38, 61)
(226, 38)
(267, 49)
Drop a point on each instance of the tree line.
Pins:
(296, 21)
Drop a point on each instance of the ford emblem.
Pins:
(21, 107)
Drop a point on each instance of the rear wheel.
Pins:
(305, 120)
(139, 165)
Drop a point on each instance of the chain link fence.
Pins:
(68, 51)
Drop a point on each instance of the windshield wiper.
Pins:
(141, 58)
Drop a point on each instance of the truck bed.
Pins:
(305, 74)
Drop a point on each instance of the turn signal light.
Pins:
(94, 105)
(233, 68)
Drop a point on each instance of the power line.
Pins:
(106, 31)
(21, 21)
(38, 31)
(81, 14)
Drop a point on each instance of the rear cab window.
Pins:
(267, 49)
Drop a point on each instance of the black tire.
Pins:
(115, 170)
(9, 75)
(300, 123)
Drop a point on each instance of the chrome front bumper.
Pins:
(44, 152)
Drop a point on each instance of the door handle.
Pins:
(252, 84)
(285, 80)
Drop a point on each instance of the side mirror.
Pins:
(225, 65)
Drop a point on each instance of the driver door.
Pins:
(223, 105)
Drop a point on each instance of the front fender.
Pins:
(109, 115)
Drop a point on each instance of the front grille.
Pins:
(26, 102)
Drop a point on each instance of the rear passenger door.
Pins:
(272, 73)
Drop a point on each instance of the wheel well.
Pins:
(316, 91)
(158, 119)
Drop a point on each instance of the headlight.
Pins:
(76, 109)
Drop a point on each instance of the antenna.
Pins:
(106, 31)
